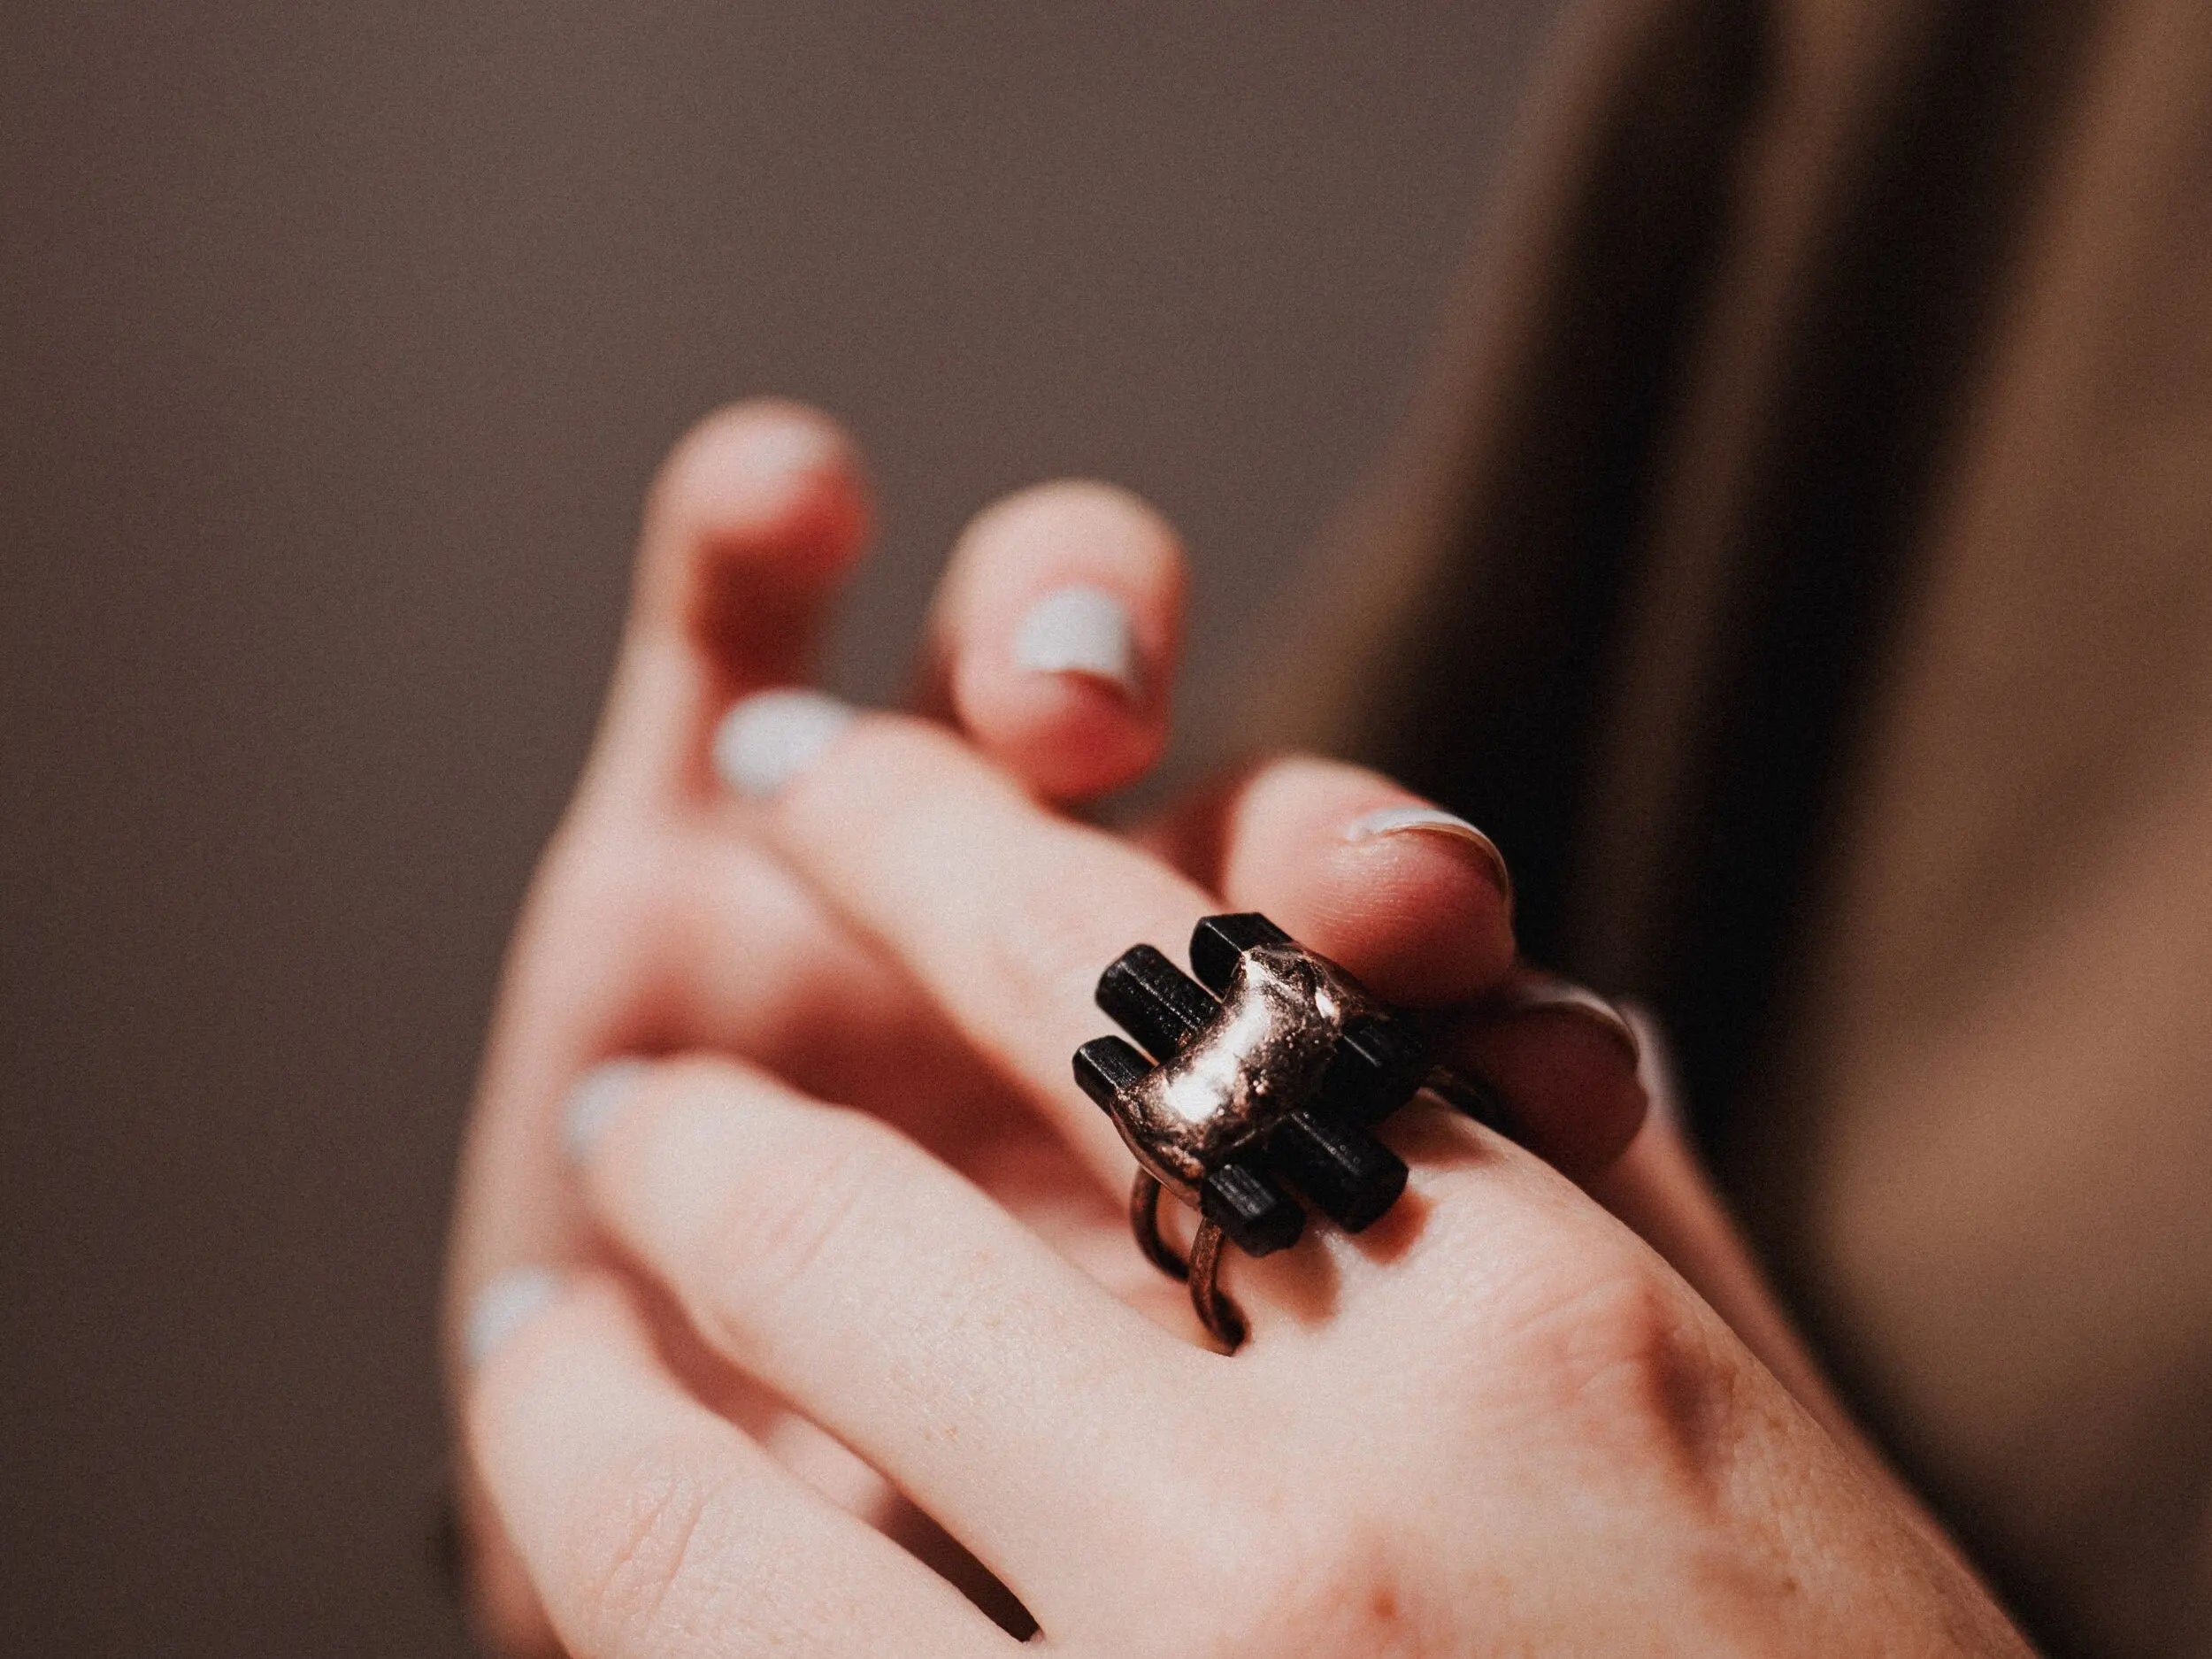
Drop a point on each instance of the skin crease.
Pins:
(1498, 1421)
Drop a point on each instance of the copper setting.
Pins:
(1262, 1077)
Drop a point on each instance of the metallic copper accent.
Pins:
(1216, 1311)
(1274, 1064)
(1254, 1065)
(1144, 1221)
(1223, 1319)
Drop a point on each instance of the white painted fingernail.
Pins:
(778, 451)
(1393, 820)
(1079, 631)
(505, 1306)
(1428, 820)
(598, 1094)
(772, 736)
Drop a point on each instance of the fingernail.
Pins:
(781, 449)
(505, 1306)
(598, 1094)
(1532, 993)
(1655, 1065)
(772, 736)
(1079, 631)
(1428, 820)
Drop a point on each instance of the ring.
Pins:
(1272, 1066)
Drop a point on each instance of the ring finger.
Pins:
(651, 1526)
(1010, 1396)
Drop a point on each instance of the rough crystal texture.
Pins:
(1273, 1067)
(1258, 1216)
(1351, 1177)
(1155, 1001)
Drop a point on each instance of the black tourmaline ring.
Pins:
(1268, 1069)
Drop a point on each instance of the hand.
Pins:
(1000, 943)
(1495, 1422)
(660, 920)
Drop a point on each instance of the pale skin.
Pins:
(1545, 1406)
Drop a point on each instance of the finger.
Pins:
(1003, 911)
(502, 1605)
(750, 527)
(900, 1307)
(619, 950)
(1054, 637)
(650, 1526)
(1415, 902)
(622, 954)
(1566, 1063)
(1660, 1188)
(629, 947)
(578, 982)
(760, 967)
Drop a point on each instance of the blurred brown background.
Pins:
(336, 344)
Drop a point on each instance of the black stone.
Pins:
(1479, 1100)
(1351, 1177)
(1376, 1066)
(1259, 1217)
(1155, 1001)
(1218, 941)
(1323, 1150)
(1106, 1065)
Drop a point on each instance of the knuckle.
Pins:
(641, 1556)
(1624, 1333)
(799, 1217)
(1047, 955)
(1626, 1360)
(1050, 935)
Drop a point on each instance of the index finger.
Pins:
(1003, 910)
